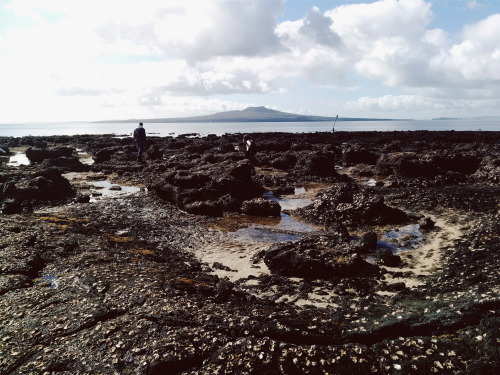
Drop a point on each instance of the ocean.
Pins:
(174, 129)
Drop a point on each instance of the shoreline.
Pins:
(219, 129)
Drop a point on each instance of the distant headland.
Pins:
(250, 114)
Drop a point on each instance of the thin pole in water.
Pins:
(333, 129)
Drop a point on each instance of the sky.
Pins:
(74, 60)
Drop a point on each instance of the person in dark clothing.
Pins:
(250, 147)
(140, 140)
(250, 151)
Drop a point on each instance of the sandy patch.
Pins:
(236, 256)
(427, 258)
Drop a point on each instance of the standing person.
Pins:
(140, 140)
(250, 151)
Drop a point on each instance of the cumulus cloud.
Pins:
(317, 27)
(198, 30)
(399, 50)
(477, 57)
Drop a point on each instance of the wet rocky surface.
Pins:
(184, 264)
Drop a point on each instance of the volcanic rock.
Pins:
(350, 204)
(37, 155)
(261, 207)
(323, 257)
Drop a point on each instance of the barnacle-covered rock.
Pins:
(350, 204)
(260, 207)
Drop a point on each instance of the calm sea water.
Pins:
(174, 129)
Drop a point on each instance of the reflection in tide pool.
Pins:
(284, 228)
(293, 204)
(50, 281)
(108, 190)
(84, 157)
(408, 237)
(263, 234)
(18, 159)
(290, 202)
(289, 223)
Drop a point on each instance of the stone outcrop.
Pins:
(223, 187)
(328, 257)
(37, 155)
(352, 205)
(32, 189)
(261, 207)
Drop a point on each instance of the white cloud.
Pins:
(477, 57)
(420, 106)
(360, 25)
(317, 27)
(392, 103)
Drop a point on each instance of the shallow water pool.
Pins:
(106, 189)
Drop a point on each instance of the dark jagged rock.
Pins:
(366, 243)
(329, 256)
(37, 155)
(357, 154)
(285, 162)
(426, 223)
(387, 258)
(82, 198)
(66, 164)
(208, 208)
(230, 183)
(36, 189)
(317, 165)
(351, 204)
(261, 207)
(104, 154)
(317, 258)
(11, 206)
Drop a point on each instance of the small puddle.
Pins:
(105, 189)
(99, 187)
(408, 237)
(233, 254)
(48, 281)
(19, 158)
(84, 157)
(284, 228)
(290, 203)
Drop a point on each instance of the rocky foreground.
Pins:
(115, 284)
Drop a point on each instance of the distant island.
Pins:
(477, 118)
(250, 114)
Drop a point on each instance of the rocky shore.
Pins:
(188, 263)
